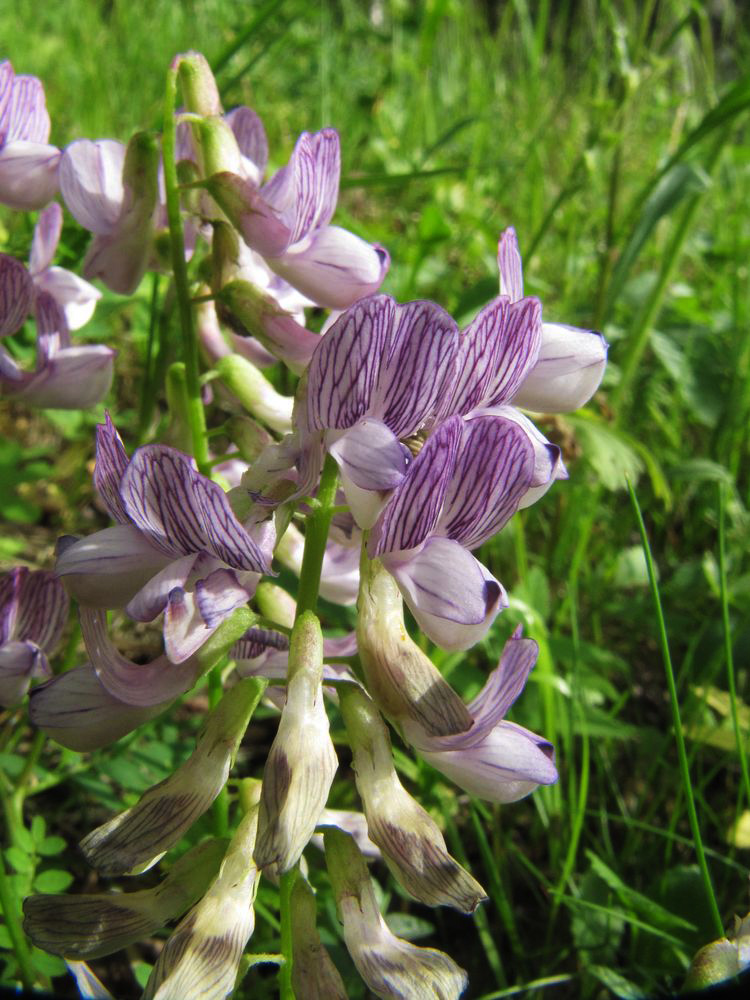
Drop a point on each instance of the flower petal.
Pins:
(453, 598)
(548, 464)
(334, 268)
(111, 463)
(16, 294)
(306, 190)
(219, 594)
(370, 454)
(42, 609)
(251, 138)
(25, 114)
(509, 265)
(19, 662)
(91, 183)
(46, 237)
(517, 348)
(567, 372)
(152, 599)
(75, 379)
(28, 174)
(76, 297)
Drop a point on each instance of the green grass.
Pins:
(616, 142)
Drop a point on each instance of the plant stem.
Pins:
(220, 807)
(15, 931)
(679, 735)
(286, 884)
(316, 536)
(196, 415)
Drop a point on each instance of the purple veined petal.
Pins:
(493, 472)
(42, 610)
(333, 267)
(19, 662)
(28, 174)
(52, 329)
(251, 138)
(505, 683)
(91, 183)
(10, 589)
(76, 297)
(185, 631)
(305, 191)
(111, 463)
(46, 237)
(344, 368)
(78, 712)
(548, 462)
(75, 379)
(107, 569)
(219, 594)
(517, 350)
(6, 93)
(339, 579)
(227, 539)
(142, 684)
(16, 294)
(152, 598)
(370, 454)
(476, 358)
(25, 116)
(509, 265)
(453, 598)
(259, 223)
(420, 360)
(416, 504)
(567, 372)
(509, 764)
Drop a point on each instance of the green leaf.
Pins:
(51, 846)
(48, 965)
(11, 763)
(409, 927)
(21, 861)
(54, 880)
(25, 840)
(38, 828)
(654, 912)
(619, 985)
(608, 451)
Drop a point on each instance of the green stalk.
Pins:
(15, 931)
(286, 884)
(146, 409)
(220, 807)
(196, 415)
(728, 647)
(679, 735)
(316, 536)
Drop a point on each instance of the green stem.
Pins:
(316, 536)
(679, 735)
(728, 647)
(286, 884)
(15, 932)
(146, 409)
(196, 415)
(220, 807)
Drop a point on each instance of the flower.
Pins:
(33, 612)
(495, 759)
(28, 165)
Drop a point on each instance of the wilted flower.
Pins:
(28, 165)
(33, 612)
(391, 967)
(410, 841)
(495, 760)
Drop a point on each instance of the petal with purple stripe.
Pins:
(152, 599)
(548, 462)
(453, 598)
(10, 589)
(111, 463)
(509, 265)
(517, 350)
(19, 662)
(219, 594)
(493, 471)
(46, 237)
(251, 137)
(344, 368)
(185, 631)
(42, 609)
(16, 294)
(76, 297)
(416, 504)
(476, 358)
(26, 116)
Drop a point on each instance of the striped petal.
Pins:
(306, 190)
(74, 379)
(24, 115)
(111, 463)
(42, 609)
(46, 237)
(16, 294)
(509, 265)
(251, 138)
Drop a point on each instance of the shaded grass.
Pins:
(585, 125)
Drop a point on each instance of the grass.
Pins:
(613, 136)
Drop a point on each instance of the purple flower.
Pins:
(33, 612)
(177, 546)
(570, 361)
(28, 165)
(76, 297)
(467, 481)
(65, 376)
(287, 220)
(112, 191)
(495, 760)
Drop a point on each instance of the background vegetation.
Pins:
(613, 136)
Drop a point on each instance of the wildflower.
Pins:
(409, 839)
(112, 191)
(33, 612)
(495, 759)
(28, 165)
(314, 976)
(301, 762)
(177, 546)
(391, 967)
(134, 840)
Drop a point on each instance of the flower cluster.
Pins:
(406, 447)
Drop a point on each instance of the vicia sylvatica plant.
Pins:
(405, 445)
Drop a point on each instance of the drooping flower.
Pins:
(495, 759)
(28, 165)
(33, 612)
(177, 548)
(570, 362)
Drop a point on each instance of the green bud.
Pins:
(199, 90)
(255, 392)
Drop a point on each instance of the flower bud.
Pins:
(391, 968)
(249, 437)
(255, 392)
(135, 840)
(314, 976)
(404, 682)
(276, 603)
(201, 958)
(411, 842)
(301, 762)
(216, 147)
(89, 926)
(199, 90)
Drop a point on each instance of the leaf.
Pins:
(618, 984)
(38, 828)
(48, 965)
(409, 927)
(54, 880)
(654, 912)
(51, 846)
(11, 763)
(20, 861)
